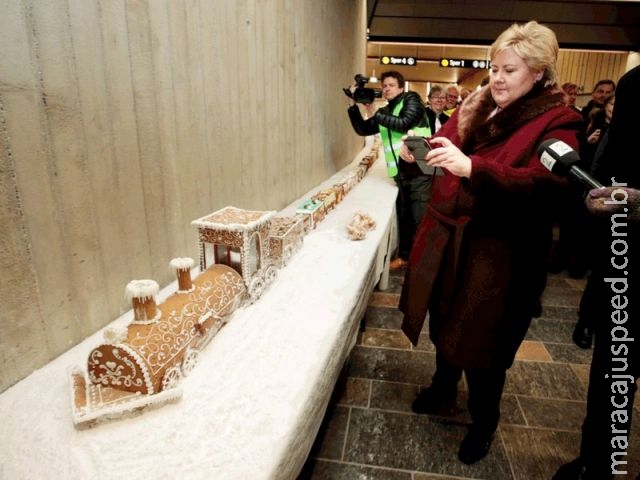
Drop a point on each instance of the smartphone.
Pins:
(419, 148)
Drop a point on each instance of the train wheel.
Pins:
(189, 361)
(171, 378)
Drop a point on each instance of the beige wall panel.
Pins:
(189, 85)
(226, 137)
(64, 241)
(197, 186)
(22, 331)
(150, 163)
(265, 60)
(110, 262)
(168, 163)
(304, 118)
(282, 157)
(242, 23)
(122, 121)
(341, 26)
(217, 103)
(323, 102)
(127, 192)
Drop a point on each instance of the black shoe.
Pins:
(577, 470)
(582, 336)
(476, 445)
(570, 471)
(432, 399)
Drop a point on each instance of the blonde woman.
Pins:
(478, 264)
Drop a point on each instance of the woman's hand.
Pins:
(448, 156)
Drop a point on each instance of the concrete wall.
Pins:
(123, 120)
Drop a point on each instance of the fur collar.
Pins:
(475, 130)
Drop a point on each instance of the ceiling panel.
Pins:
(464, 29)
(586, 24)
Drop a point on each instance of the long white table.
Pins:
(254, 402)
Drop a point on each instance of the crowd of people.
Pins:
(477, 241)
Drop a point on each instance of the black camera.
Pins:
(362, 94)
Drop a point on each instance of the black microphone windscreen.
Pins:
(557, 156)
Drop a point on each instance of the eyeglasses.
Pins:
(452, 96)
(437, 98)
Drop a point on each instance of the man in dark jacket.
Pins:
(614, 297)
(403, 112)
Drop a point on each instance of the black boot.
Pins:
(570, 471)
(476, 444)
(578, 470)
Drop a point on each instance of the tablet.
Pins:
(419, 148)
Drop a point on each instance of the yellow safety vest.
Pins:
(392, 141)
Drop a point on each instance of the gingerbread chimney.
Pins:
(141, 294)
(183, 267)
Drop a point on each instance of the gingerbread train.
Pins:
(141, 365)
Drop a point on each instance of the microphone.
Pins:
(560, 158)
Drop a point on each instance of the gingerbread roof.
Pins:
(235, 219)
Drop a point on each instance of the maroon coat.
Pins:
(478, 262)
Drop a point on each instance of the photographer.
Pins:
(404, 112)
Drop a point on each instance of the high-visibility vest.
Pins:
(392, 141)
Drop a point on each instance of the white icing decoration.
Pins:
(141, 289)
(171, 378)
(189, 361)
(182, 263)
(187, 291)
(116, 334)
(148, 321)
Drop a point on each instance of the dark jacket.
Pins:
(618, 158)
(588, 150)
(431, 116)
(478, 262)
(615, 159)
(411, 115)
(586, 110)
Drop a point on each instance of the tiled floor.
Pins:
(370, 432)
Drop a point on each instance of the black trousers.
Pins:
(574, 247)
(588, 302)
(413, 195)
(601, 423)
(485, 390)
(614, 309)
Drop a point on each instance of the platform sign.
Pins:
(408, 61)
(464, 63)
